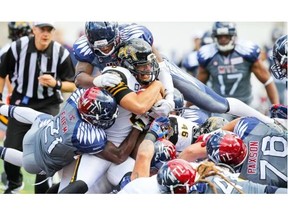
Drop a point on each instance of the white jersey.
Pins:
(183, 132)
(122, 126)
(116, 134)
(144, 185)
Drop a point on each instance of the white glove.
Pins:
(107, 80)
(162, 108)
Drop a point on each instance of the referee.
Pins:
(39, 69)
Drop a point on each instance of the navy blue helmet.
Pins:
(98, 107)
(224, 28)
(279, 58)
(206, 38)
(101, 35)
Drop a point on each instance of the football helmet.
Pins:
(18, 29)
(179, 101)
(211, 124)
(98, 107)
(206, 38)
(136, 55)
(176, 177)
(279, 58)
(224, 28)
(103, 37)
(227, 148)
(164, 151)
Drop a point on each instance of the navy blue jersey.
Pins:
(230, 75)
(266, 162)
(55, 138)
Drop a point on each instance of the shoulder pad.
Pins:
(245, 126)
(82, 50)
(248, 50)
(134, 30)
(206, 53)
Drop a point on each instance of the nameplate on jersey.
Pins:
(237, 60)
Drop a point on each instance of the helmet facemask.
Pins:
(147, 71)
(279, 58)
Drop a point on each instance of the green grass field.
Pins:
(29, 179)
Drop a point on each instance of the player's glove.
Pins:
(107, 80)
(162, 108)
(140, 122)
(160, 127)
(278, 111)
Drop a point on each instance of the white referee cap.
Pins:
(44, 24)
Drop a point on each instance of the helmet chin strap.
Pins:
(228, 47)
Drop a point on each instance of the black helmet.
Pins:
(18, 29)
(137, 52)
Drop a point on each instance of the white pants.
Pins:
(97, 173)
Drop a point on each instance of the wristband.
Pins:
(58, 84)
(270, 80)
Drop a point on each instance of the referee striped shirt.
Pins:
(24, 64)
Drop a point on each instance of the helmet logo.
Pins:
(91, 107)
(124, 52)
(214, 156)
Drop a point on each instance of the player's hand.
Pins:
(140, 122)
(107, 80)
(160, 127)
(278, 111)
(162, 108)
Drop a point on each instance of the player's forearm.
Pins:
(83, 78)
(272, 93)
(119, 154)
(143, 160)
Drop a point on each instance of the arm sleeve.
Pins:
(166, 79)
